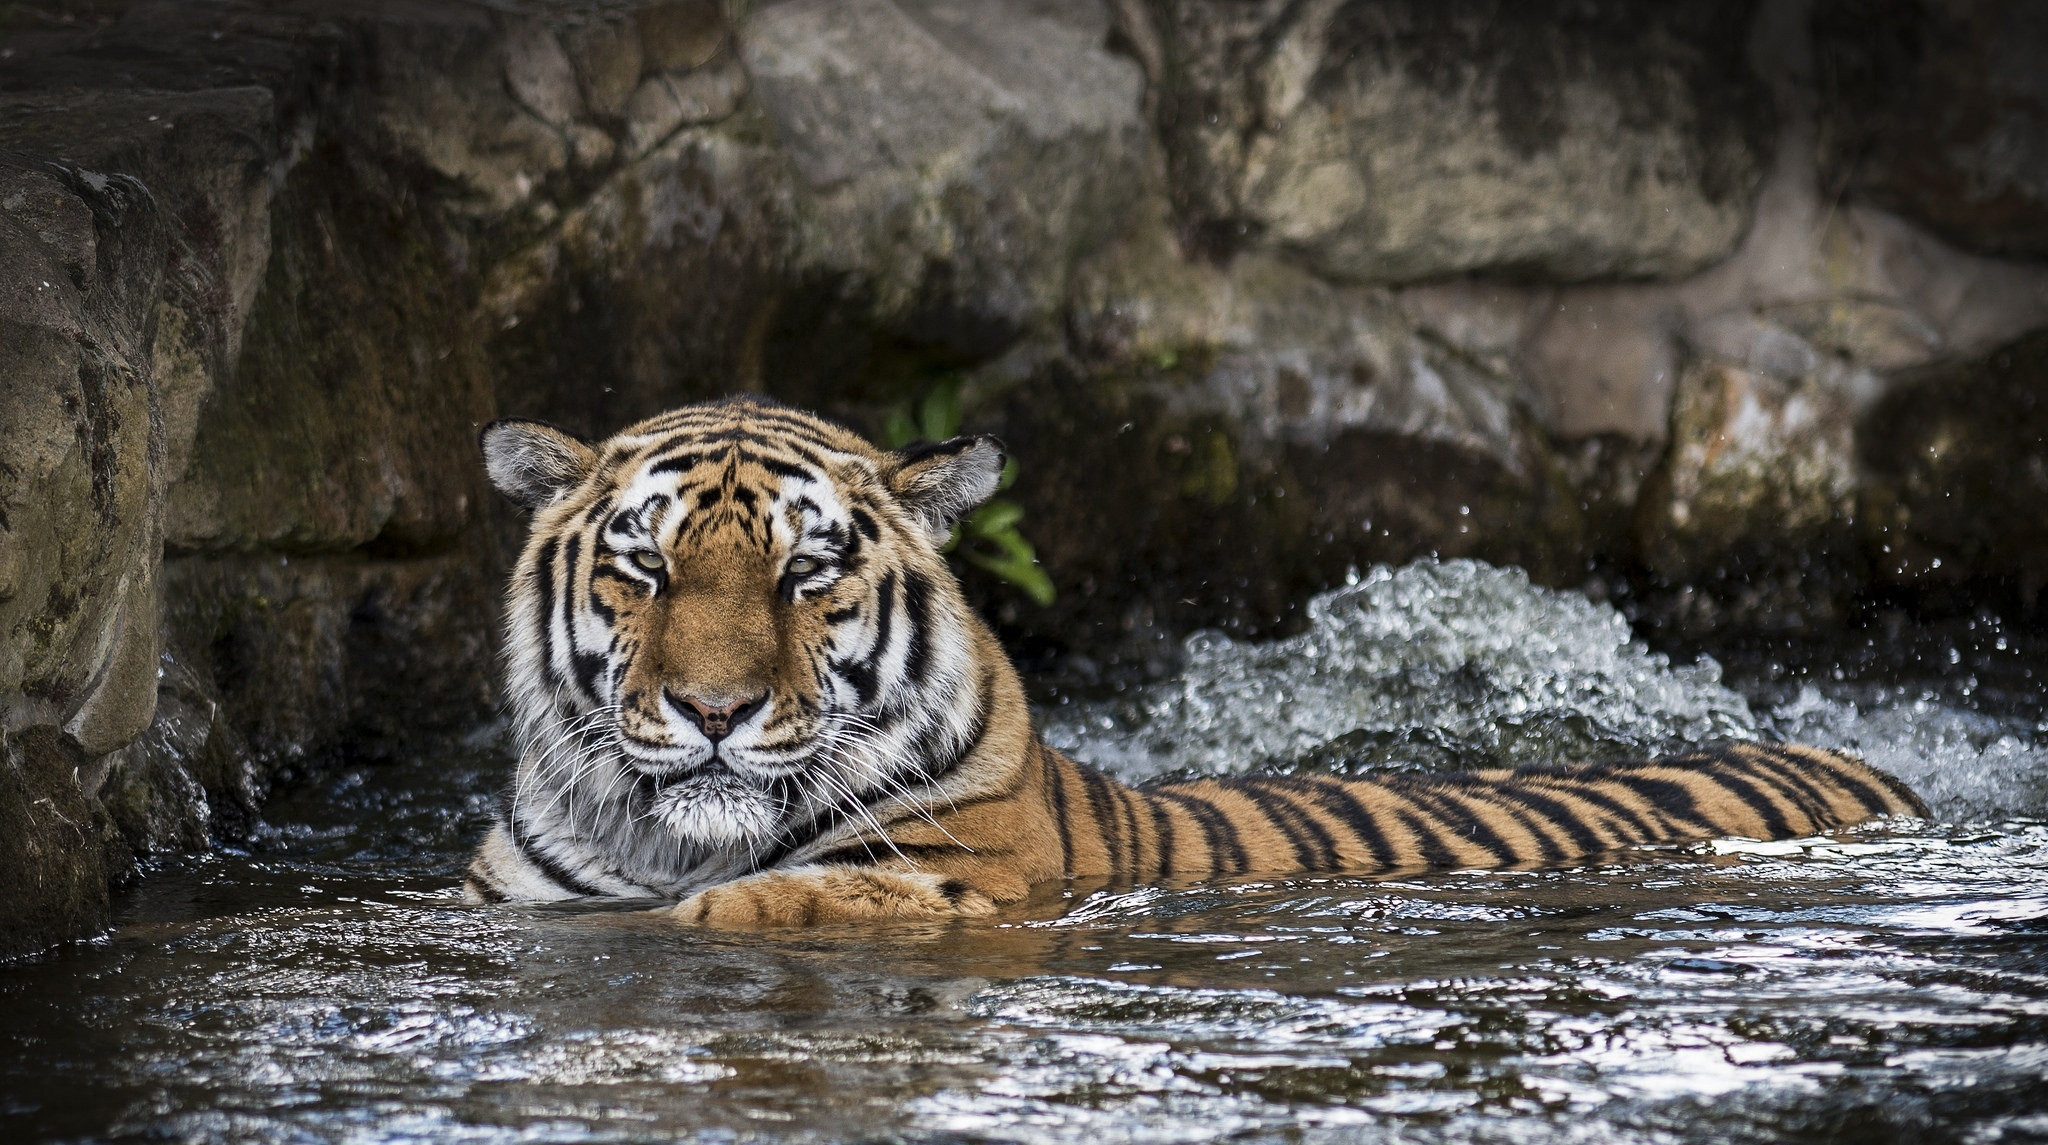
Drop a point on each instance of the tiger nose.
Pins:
(714, 720)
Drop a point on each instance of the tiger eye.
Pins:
(650, 561)
(804, 566)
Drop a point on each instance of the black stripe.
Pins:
(560, 875)
(1491, 794)
(1162, 830)
(1098, 802)
(1314, 850)
(842, 615)
(483, 890)
(865, 523)
(1644, 832)
(885, 621)
(1842, 773)
(858, 674)
(917, 615)
(587, 665)
(675, 463)
(1791, 782)
(1429, 842)
(1058, 798)
(1668, 796)
(1905, 795)
(1127, 797)
(779, 467)
(1725, 774)
(861, 854)
(572, 550)
(1573, 824)
(1462, 821)
(544, 576)
(1332, 796)
(1217, 827)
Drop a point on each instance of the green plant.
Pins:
(986, 538)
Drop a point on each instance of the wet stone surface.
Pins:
(327, 985)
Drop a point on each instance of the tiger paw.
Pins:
(809, 898)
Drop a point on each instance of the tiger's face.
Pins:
(731, 622)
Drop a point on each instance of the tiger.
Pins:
(743, 679)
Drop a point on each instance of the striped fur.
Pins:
(743, 678)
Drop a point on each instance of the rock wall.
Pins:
(1735, 309)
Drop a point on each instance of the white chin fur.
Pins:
(715, 811)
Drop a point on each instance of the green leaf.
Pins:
(939, 415)
(994, 517)
(898, 430)
(986, 538)
(1016, 564)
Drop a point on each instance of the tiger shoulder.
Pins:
(743, 678)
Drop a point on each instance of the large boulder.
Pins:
(1939, 111)
(1392, 142)
(132, 231)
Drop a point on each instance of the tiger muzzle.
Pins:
(716, 721)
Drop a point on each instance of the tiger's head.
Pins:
(732, 621)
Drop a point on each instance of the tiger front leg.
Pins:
(831, 894)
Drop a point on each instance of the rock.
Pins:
(608, 59)
(1250, 431)
(320, 439)
(85, 481)
(445, 92)
(1957, 465)
(185, 784)
(540, 77)
(1754, 503)
(666, 101)
(1939, 111)
(681, 34)
(606, 319)
(54, 844)
(1396, 142)
(315, 657)
(150, 341)
(957, 156)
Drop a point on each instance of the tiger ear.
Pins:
(940, 482)
(532, 462)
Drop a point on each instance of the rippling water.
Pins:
(1882, 986)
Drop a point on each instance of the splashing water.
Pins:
(1443, 664)
(1458, 664)
(1969, 766)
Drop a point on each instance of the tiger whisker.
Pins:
(902, 793)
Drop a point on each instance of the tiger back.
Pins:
(743, 678)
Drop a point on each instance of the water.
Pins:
(1883, 986)
(1436, 664)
